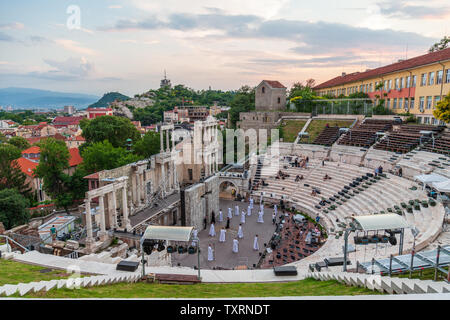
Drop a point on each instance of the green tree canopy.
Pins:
(13, 208)
(442, 111)
(149, 145)
(19, 142)
(114, 129)
(104, 156)
(442, 44)
(243, 101)
(11, 175)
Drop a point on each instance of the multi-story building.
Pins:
(415, 85)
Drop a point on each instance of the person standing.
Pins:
(261, 207)
(240, 232)
(260, 217)
(249, 211)
(243, 217)
(210, 253)
(251, 203)
(235, 245)
(213, 217)
(273, 218)
(212, 230)
(220, 216)
(236, 213)
(230, 214)
(53, 232)
(194, 237)
(275, 209)
(222, 235)
(228, 223)
(255, 243)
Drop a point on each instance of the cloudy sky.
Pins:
(125, 45)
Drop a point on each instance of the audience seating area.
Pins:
(441, 144)
(364, 135)
(328, 136)
(406, 138)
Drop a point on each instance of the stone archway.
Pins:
(228, 190)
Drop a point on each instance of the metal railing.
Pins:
(8, 239)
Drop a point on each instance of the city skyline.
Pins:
(125, 46)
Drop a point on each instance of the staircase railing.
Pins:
(13, 241)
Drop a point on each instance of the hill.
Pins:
(108, 98)
(28, 98)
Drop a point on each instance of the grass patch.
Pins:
(307, 287)
(12, 272)
(291, 128)
(316, 126)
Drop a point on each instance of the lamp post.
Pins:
(197, 240)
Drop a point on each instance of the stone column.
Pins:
(143, 188)
(167, 141)
(163, 177)
(126, 221)
(161, 139)
(138, 189)
(90, 238)
(114, 208)
(102, 232)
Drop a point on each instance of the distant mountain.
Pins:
(108, 98)
(27, 98)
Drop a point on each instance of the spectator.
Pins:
(53, 232)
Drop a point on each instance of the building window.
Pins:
(426, 120)
(394, 105)
(385, 85)
(263, 90)
(414, 81)
(400, 103)
(370, 88)
(447, 76)
(402, 83)
(390, 85)
(405, 105)
(190, 174)
(388, 103)
(439, 76)
(431, 79)
(423, 79)
(429, 102)
(279, 100)
(408, 80)
(436, 100)
(411, 103)
(421, 103)
(397, 83)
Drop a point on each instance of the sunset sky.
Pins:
(126, 45)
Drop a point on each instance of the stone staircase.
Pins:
(390, 285)
(70, 283)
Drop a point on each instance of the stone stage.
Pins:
(224, 257)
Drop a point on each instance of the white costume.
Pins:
(249, 211)
(240, 232)
(222, 235)
(212, 231)
(236, 213)
(220, 216)
(255, 243)
(275, 209)
(261, 206)
(194, 236)
(230, 214)
(235, 246)
(251, 203)
(210, 254)
(243, 217)
(260, 217)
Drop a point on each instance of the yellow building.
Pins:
(415, 85)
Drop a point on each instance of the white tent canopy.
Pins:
(430, 178)
(443, 186)
(168, 233)
(381, 222)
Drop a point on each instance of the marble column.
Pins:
(126, 221)
(114, 210)
(102, 216)
(161, 139)
(138, 189)
(90, 238)
(167, 141)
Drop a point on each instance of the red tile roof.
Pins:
(425, 59)
(67, 120)
(92, 176)
(75, 158)
(274, 84)
(27, 166)
(33, 149)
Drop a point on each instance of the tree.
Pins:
(19, 142)
(11, 175)
(53, 162)
(149, 145)
(114, 129)
(442, 111)
(442, 44)
(243, 101)
(104, 156)
(13, 208)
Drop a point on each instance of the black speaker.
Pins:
(161, 246)
(148, 245)
(192, 250)
(393, 240)
(170, 249)
(181, 249)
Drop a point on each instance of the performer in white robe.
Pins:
(249, 211)
(260, 217)
(222, 235)
(210, 253)
(194, 236)
(230, 214)
(275, 209)
(236, 213)
(240, 232)
(235, 246)
(251, 203)
(220, 216)
(243, 217)
(255, 243)
(261, 207)
(212, 231)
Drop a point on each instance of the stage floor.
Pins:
(224, 256)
